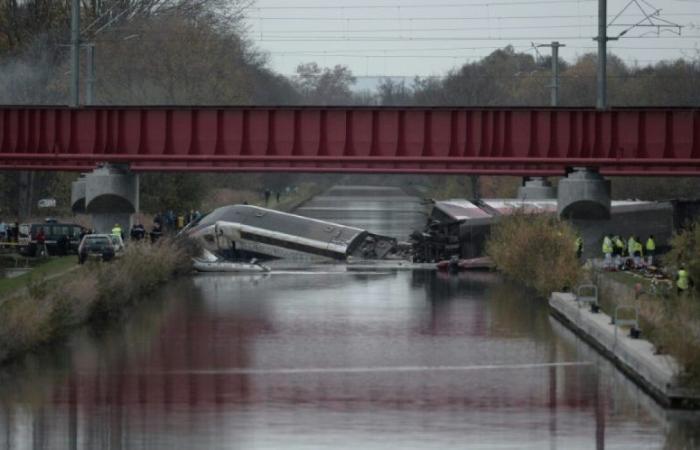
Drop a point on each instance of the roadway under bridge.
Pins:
(495, 141)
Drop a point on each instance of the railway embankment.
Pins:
(49, 308)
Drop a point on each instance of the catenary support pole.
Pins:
(75, 54)
(554, 99)
(601, 99)
(90, 78)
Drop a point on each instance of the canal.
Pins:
(332, 358)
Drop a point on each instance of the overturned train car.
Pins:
(462, 227)
(240, 232)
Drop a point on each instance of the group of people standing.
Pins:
(170, 221)
(635, 255)
(632, 253)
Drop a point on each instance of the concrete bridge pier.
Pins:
(584, 194)
(536, 188)
(110, 194)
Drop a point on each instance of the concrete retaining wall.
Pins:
(635, 357)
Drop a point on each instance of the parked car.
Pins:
(100, 246)
(60, 238)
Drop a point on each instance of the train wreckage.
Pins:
(242, 232)
(455, 228)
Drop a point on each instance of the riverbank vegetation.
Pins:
(182, 52)
(536, 250)
(668, 320)
(47, 310)
(37, 268)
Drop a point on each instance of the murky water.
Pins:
(332, 359)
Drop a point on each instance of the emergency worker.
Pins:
(619, 249)
(651, 249)
(578, 246)
(117, 230)
(607, 251)
(638, 252)
(683, 281)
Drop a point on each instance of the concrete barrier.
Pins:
(657, 374)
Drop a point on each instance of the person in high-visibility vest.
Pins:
(638, 252)
(117, 230)
(607, 251)
(631, 246)
(683, 281)
(618, 250)
(578, 246)
(651, 249)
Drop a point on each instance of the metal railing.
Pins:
(591, 298)
(618, 322)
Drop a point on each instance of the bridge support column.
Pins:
(584, 194)
(536, 188)
(110, 194)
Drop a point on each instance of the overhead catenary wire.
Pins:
(427, 18)
(274, 38)
(417, 6)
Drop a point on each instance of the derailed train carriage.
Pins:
(241, 232)
(462, 227)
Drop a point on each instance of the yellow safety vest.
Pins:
(117, 231)
(619, 243)
(682, 282)
(651, 245)
(639, 248)
(607, 245)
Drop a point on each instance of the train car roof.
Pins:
(282, 222)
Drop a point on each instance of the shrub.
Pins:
(98, 291)
(143, 267)
(535, 249)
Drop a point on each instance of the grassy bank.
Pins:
(47, 310)
(288, 201)
(670, 321)
(536, 250)
(42, 270)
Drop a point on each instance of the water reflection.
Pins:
(383, 360)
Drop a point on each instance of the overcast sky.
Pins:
(428, 37)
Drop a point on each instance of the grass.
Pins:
(671, 323)
(288, 201)
(96, 292)
(48, 268)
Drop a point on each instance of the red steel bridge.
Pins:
(494, 141)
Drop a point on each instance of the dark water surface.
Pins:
(332, 359)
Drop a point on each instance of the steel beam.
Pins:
(526, 141)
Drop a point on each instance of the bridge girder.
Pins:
(488, 141)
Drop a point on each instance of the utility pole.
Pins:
(75, 54)
(554, 87)
(602, 88)
(90, 77)
(554, 99)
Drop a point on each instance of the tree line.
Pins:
(195, 52)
